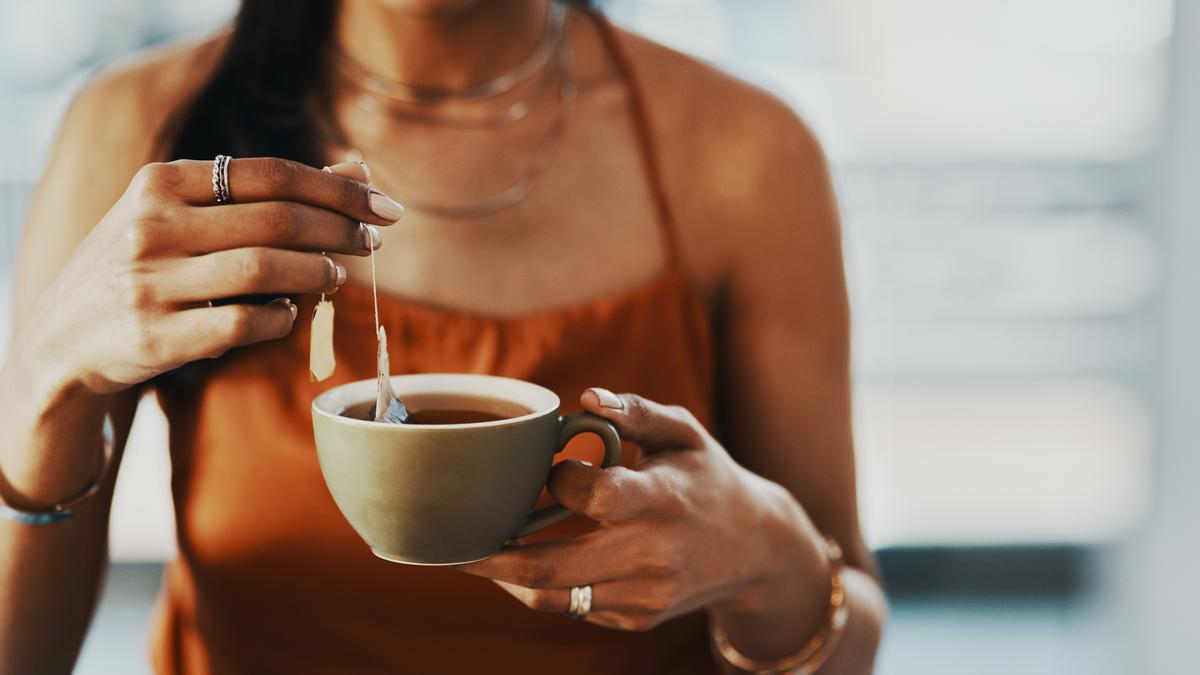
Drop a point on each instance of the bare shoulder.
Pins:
(682, 89)
(734, 157)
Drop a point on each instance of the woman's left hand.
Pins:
(687, 528)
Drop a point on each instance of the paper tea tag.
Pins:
(320, 345)
(383, 379)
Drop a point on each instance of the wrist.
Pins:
(48, 411)
(43, 362)
(813, 654)
(789, 552)
(785, 600)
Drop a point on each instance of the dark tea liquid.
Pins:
(445, 409)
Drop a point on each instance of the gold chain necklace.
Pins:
(400, 92)
(520, 188)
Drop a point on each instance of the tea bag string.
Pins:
(374, 291)
(388, 408)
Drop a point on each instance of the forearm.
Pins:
(788, 603)
(49, 575)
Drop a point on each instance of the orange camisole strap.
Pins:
(645, 138)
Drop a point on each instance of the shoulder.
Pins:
(734, 157)
(683, 90)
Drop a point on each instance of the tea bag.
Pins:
(321, 361)
(388, 408)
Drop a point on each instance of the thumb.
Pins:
(653, 426)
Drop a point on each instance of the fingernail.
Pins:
(339, 273)
(373, 240)
(608, 399)
(586, 463)
(290, 305)
(366, 169)
(327, 169)
(385, 207)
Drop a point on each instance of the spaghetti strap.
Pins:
(645, 138)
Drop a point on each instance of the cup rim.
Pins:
(321, 402)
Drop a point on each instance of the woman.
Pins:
(587, 210)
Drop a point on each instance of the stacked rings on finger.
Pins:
(581, 602)
(220, 179)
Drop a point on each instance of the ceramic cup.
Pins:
(446, 494)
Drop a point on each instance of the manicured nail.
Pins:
(586, 463)
(290, 305)
(327, 169)
(372, 239)
(608, 399)
(339, 273)
(366, 169)
(385, 207)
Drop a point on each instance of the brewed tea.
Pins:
(446, 409)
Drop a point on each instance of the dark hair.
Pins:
(258, 100)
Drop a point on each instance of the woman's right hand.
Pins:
(133, 300)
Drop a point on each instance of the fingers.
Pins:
(209, 332)
(653, 426)
(263, 179)
(611, 494)
(557, 564)
(280, 224)
(245, 271)
(627, 604)
(558, 600)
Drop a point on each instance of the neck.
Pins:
(449, 48)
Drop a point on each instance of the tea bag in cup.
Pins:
(388, 408)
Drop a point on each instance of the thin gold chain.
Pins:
(524, 184)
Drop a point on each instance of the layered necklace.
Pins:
(548, 63)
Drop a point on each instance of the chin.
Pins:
(431, 7)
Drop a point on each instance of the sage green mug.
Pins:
(446, 494)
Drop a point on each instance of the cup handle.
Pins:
(570, 426)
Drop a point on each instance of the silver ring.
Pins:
(581, 602)
(574, 602)
(220, 179)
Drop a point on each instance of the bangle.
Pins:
(65, 509)
(817, 651)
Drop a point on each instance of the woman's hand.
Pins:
(688, 528)
(134, 299)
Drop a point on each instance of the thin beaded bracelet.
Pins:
(64, 510)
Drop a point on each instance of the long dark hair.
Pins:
(258, 101)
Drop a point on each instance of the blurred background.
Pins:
(1016, 181)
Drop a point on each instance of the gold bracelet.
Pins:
(817, 651)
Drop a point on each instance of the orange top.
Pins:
(271, 579)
